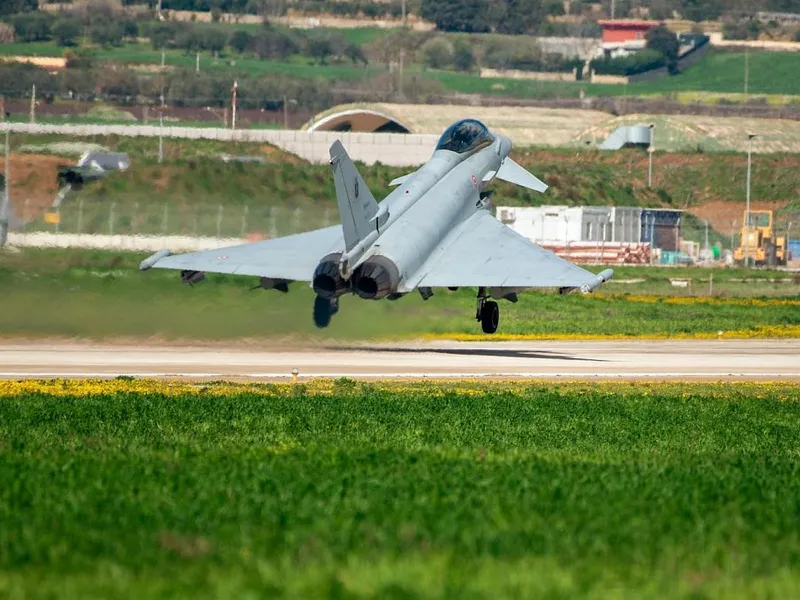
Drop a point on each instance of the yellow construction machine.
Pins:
(760, 244)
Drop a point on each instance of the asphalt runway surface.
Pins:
(680, 359)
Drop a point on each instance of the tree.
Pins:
(11, 7)
(130, 29)
(463, 58)
(213, 40)
(521, 16)
(106, 34)
(664, 41)
(7, 35)
(438, 53)
(701, 10)
(553, 7)
(32, 26)
(66, 31)
(320, 48)
(271, 43)
(456, 15)
(241, 40)
(356, 54)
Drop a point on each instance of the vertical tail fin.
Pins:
(357, 206)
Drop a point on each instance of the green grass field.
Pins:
(719, 71)
(347, 490)
(103, 295)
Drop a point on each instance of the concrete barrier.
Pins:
(131, 243)
(387, 148)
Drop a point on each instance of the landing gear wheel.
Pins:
(324, 309)
(490, 316)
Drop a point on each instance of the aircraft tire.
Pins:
(490, 316)
(323, 311)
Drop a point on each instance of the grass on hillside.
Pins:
(718, 71)
(103, 294)
(347, 490)
(724, 71)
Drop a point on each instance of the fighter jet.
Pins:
(435, 230)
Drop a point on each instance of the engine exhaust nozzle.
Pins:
(327, 282)
(377, 278)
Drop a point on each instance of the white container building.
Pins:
(564, 224)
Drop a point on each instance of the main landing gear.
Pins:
(324, 309)
(488, 312)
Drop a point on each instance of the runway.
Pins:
(685, 359)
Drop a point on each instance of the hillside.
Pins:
(202, 194)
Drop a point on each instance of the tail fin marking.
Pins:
(357, 206)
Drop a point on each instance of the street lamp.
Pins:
(286, 110)
(750, 137)
(650, 150)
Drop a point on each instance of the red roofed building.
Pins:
(623, 36)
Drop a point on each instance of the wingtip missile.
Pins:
(599, 280)
(151, 260)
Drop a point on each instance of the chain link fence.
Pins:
(197, 220)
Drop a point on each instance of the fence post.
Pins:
(111, 218)
(80, 215)
(245, 211)
(296, 220)
(165, 220)
(134, 228)
(219, 221)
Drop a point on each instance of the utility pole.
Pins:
(285, 114)
(706, 248)
(650, 149)
(746, 240)
(160, 137)
(4, 209)
(612, 8)
(746, 68)
(33, 103)
(402, 49)
(233, 104)
(197, 63)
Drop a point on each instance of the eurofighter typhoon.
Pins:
(436, 230)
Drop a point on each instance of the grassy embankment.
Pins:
(193, 183)
(345, 490)
(771, 73)
(74, 293)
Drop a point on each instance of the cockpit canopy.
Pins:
(464, 136)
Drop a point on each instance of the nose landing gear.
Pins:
(488, 312)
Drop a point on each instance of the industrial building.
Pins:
(609, 234)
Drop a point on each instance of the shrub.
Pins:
(7, 35)
(241, 41)
(463, 58)
(632, 64)
(438, 53)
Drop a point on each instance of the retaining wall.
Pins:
(395, 149)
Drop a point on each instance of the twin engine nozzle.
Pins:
(375, 279)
